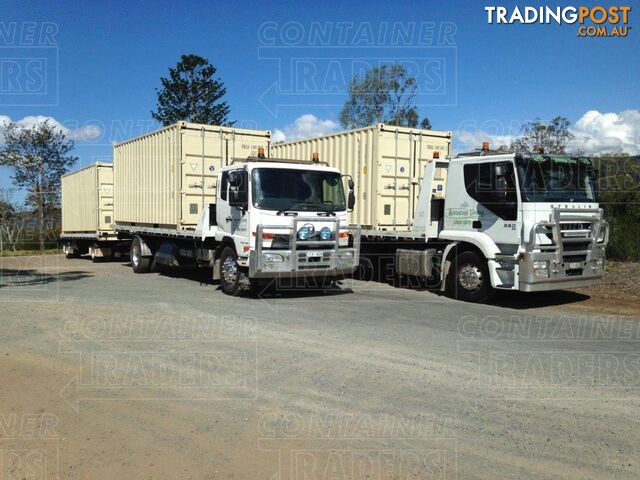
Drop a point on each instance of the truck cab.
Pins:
(527, 222)
(279, 218)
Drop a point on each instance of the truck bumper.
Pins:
(540, 271)
(302, 263)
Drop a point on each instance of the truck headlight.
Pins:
(272, 257)
(303, 233)
(325, 233)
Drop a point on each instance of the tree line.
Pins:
(39, 155)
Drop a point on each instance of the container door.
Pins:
(203, 154)
(394, 177)
(105, 198)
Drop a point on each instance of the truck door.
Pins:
(232, 209)
(491, 203)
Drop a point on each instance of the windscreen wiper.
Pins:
(287, 213)
(328, 213)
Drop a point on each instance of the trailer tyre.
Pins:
(468, 279)
(139, 263)
(230, 272)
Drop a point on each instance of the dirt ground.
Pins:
(105, 375)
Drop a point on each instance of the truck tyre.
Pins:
(230, 272)
(75, 253)
(139, 263)
(94, 257)
(468, 278)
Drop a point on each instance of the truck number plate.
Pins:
(314, 254)
(575, 265)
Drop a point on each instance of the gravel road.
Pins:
(107, 374)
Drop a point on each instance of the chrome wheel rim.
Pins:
(135, 255)
(470, 277)
(229, 271)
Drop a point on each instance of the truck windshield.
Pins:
(555, 178)
(298, 190)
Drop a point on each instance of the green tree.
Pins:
(383, 95)
(192, 93)
(39, 156)
(552, 137)
(618, 186)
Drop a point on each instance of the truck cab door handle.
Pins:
(228, 219)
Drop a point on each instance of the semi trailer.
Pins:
(87, 213)
(482, 223)
(185, 196)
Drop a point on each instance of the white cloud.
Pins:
(472, 140)
(85, 133)
(305, 126)
(597, 132)
(594, 133)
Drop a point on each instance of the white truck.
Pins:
(271, 219)
(526, 222)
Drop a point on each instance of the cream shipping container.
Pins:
(471, 225)
(386, 163)
(208, 196)
(87, 212)
(166, 178)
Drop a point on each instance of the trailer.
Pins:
(87, 214)
(483, 223)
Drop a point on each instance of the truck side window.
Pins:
(493, 186)
(224, 184)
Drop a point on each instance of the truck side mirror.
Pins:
(238, 195)
(351, 184)
(351, 200)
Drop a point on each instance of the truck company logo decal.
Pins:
(597, 21)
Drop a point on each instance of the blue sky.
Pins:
(104, 60)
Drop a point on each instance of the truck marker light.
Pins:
(245, 248)
(343, 235)
(266, 236)
(260, 152)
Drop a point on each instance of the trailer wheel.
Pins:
(94, 257)
(72, 253)
(139, 263)
(468, 280)
(230, 272)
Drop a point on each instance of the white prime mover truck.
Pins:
(481, 223)
(526, 222)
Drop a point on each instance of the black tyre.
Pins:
(139, 263)
(230, 273)
(72, 254)
(468, 278)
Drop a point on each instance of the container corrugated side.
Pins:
(87, 200)
(165, 178)
(386, 163)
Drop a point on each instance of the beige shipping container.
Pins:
(87, 201)
(386, 163)
(166, 177)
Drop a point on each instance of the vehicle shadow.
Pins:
(523, 301)
(32, 278)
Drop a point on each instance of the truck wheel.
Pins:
(139, 263)
(468, 279)
(230, 272)
(72, 254)
(94, 257)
